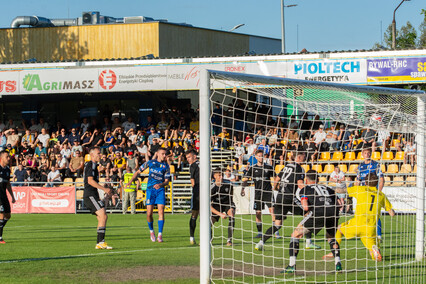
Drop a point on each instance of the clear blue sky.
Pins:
(322, 25)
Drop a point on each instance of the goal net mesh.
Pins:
(332, 126)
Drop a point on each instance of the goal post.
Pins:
(251, 107)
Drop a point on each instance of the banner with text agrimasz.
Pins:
(396, 70)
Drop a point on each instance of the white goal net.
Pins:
(309, 182)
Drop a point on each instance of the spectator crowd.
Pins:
(46, 154)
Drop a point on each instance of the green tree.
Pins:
(406, 37)
(422, 28)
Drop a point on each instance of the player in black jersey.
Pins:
(194, 170)
(91, 195)
(4, 186)
(291, 179)
(261, 174)
(321, 204)
(222, 204)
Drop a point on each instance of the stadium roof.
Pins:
(249, 54)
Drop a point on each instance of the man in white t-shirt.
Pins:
(129, 124)
(383, 139)
(84, 126)
(338, 177)
(43, 138)
(53, 176)
(66, 151)
(319, 138)
(250, 149)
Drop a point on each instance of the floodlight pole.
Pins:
(283, 24)
(282, 28)
(420, 196)
(205, 230)
(394, 25)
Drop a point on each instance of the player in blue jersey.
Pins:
(366, 167)
(158, 178)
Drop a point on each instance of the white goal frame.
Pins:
(205, 151)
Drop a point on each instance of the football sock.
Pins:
(192, 226)
(101, 234)
(308, 237)
(379, 228)
(151, 226)
(335, 251)
(2, 224)
(270, 232)
(259, 227)
(338, 237)
(160, 226)
(292, 261)
(231, 226)
(294, 248)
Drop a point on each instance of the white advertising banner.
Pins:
(9, 82)
(58, 81)
(403, 199)
(176, 76)
(327, 70)
(125, 79)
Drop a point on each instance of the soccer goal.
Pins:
(335, 134)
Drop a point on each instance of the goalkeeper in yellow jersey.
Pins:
(369, 203)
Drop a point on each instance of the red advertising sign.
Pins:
(107, 79)
(44, 200)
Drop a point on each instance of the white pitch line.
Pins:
(90, 254)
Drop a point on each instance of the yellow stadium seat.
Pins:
(317, 168)
(399, 156)
(278, 168)
(349, 156)
(68, 181)
(376, 156)
(79, 194)
(172, 169)
(324, 156)
(328, 169)
(140, 195)
(305, 167)
(398, 181)
(383, 168)
(343, 168)
(102, 180)
(353, 169)
(359, 157)
(337, 156)
(394, 142)
(146, 171)
(392, 169)
(387, 156)
(415, 169)
(405, 169)
(332, 184)
(79, 182)
(411, 181)
(87, 158)
(322, 180)
(387, 181)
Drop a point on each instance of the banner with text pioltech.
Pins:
(43, 199)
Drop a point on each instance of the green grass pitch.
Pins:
(57, 248)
